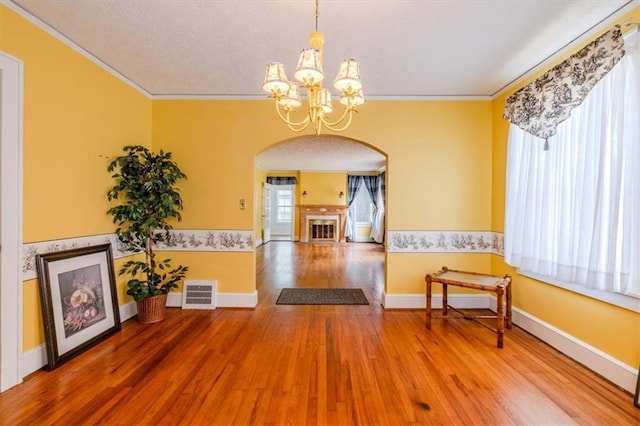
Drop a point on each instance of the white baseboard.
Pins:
(223, 300)
(174, 300)
(237, 300)
(419, 301)
(128, 310)
(33, 360)
(364, 240)
(593, 358)
(283, 237)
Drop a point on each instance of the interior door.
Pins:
(266, 213)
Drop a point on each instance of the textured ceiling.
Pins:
(407, 49)
(329, 153)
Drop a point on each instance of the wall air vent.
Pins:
(198, 294)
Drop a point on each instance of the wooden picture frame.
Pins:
(78, 299)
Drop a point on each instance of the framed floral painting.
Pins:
(78, 299)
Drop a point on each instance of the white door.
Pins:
(266, 213)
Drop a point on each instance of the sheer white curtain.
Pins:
(572, 213)
(377, 228)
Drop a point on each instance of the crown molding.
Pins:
(77, 48)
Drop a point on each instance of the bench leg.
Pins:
(445, 301)
(500, 316)
(508, 313)
(428, 302)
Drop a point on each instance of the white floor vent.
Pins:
(199, 294)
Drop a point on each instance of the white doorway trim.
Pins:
(11, 110)
(282, 231)
(294, 202)
(266, 212)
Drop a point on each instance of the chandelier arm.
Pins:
(292, 125)
(334, 126)
(347, 111)
(297, 129)
(343, 127)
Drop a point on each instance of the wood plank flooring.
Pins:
(316, 365)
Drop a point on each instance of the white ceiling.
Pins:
(407, 49)
(321, 153)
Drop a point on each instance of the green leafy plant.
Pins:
(149, 200)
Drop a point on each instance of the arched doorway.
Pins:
(318, 168)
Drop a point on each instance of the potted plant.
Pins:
(149, 200)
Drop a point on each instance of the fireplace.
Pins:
(323, 230)
(329, 222)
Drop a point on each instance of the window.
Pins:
(284, 205)
(363, 207)
(572, 212)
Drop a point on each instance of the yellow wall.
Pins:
(438, 176)
(408, 270)
(76, 116)
(613, 330)
(323, 188)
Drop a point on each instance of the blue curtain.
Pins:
(353, 186)
(371, 183)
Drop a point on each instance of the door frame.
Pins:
(274, 209)
(11, 140)
(267, 189)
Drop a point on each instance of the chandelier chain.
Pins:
(310, 76)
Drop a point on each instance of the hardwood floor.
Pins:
(306, 365)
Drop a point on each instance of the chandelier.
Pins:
(309, 76)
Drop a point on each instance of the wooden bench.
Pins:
(501, 286)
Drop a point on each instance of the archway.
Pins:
(320, 166)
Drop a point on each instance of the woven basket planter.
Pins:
(152, 309)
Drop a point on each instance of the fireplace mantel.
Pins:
(322, 210)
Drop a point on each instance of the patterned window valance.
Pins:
(541, 105)
(282, 180)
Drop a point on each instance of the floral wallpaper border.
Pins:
(445, 242)
(208, 240)
(232, 240)
(181, 240)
